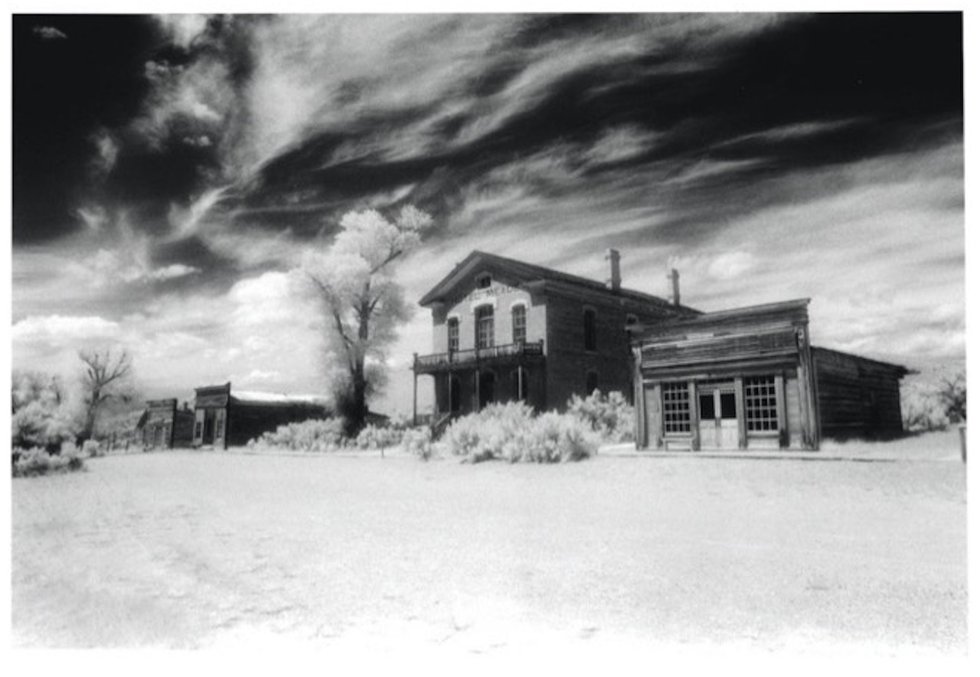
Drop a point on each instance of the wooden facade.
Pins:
(506, 330)
(224, 417)
(164, 426)
(749, 379)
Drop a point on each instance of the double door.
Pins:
(717, 416)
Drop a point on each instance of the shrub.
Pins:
(952, 395)
(91, 449)
(511, 432)
(418, 442)
(317, 435)
(611, 416)
(379, 437)
(37, 461)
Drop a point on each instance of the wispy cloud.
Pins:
(49, 33)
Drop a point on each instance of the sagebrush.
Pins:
(512, 432)
(38, 461)
(313, 435)
(611, 416)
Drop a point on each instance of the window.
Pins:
(520, 383)
(198, 429)
(760, 404)
(219, 425)
(631, 319)
(452, 331)
(588, 322)
(677, 408)
(484, 326)
(518, 316)
(591, 382)
(483, 281)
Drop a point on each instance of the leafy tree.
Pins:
(104, 379)
(362, 303)
(952, 394)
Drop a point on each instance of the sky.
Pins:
(169, 173)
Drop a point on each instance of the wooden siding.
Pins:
(770, 340)
(857, 396)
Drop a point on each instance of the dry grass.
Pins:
(187, 549)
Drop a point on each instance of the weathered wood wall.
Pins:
(857, 396)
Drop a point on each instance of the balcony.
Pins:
(511, 353)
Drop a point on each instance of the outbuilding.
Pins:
(224, 417)
(748, 378)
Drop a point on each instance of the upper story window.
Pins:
(452, 332)
(588, 327)
(484, 326)
(518, 316)
(483, 281)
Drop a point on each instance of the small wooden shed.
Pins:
(224, 417)
(748, 378)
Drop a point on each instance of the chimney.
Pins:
(614, 280)
(675, 286)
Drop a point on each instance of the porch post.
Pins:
(520, 381)
(477, 382)
(415, 390)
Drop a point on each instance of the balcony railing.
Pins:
(478, 355)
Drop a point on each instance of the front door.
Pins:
(208, 427)
(487, 387)
(717, 417)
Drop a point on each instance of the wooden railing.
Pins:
(477, 355)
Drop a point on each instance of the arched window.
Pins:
(588, 327)
(519, 384)
(452, 333)
(591, 382)
(518, 317)
(484, 326)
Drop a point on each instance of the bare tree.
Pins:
(362, 302)
(101, 381)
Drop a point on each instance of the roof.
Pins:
(258, 397)
(794, 309)
(901, 370)
(531, 273)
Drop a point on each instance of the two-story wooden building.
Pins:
(508, 330)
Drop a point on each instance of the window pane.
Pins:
(453, 331)
(728, 405)
(519, 322)
(760, 404)
(707, 402)
(676, 408)
(484, 326)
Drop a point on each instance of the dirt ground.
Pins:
(216, 549)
